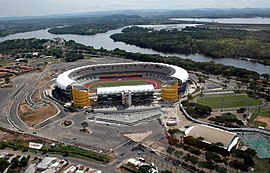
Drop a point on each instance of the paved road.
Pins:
(18, 96)
(102, 136)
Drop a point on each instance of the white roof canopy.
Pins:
(120, 89)
(63, 80)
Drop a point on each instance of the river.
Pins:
(104, 40)
(253, 20)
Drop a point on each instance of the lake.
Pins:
(254, 20)
(104, 40)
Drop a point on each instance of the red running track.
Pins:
(155, 83)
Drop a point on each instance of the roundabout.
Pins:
(66, 123)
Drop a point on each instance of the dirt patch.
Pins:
(264, 120)
(36, 96)
(44, 80)
(138, 137)
(14, 136)
(34, 116)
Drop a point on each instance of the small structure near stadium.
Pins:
(212, 135)
(121, 83)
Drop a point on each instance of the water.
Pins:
(254, 20)
(104, 40)
(168, 27)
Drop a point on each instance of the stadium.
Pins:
(123, 84)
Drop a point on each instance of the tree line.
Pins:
(214, 42)
(31, 45)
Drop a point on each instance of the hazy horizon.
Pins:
(15, 8)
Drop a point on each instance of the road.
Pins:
(102, 137)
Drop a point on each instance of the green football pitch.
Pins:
(228, 101)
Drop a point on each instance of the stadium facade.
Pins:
(71, 85)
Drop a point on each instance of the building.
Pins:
(71, 85)
(45, 163)
(212, 135)
(125, 95)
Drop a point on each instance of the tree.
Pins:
(221, 170)
(192, 159)
(201, 80)
(266, 76)
(7, 79)
(84, 124)
(172, 141)
(189, 96)
(248, 158)
(3, 164)
(178, 153)
(238, 165)
(212, 156)
(12, 171)
(144, 169)
(14, 163)
(252, 152)
(209, 165)
(170, 150)
(202, 110)
(24, 161)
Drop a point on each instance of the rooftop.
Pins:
(64, 80)
(213, 135)
(120, 89)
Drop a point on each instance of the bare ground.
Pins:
(14, 136)
(264, 120)
(36, 96)
(138, 137)
(44, 80)
(32, 117)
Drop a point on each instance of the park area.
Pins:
(228, 101)
(261, 119)
(123, 82)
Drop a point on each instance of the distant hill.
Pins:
(220, 13)
(203, 12)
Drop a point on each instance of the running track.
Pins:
(155, 83)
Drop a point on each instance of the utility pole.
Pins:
(221, 104)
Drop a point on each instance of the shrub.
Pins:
(192, 159)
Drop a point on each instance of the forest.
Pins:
(82, 25)
(103, 24)
(216, 43)
(205, 67)
(100, 25)
(13, 47)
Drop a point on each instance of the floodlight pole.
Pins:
(221, 104)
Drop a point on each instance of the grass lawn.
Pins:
(257, 124)
(116, 83)
(231, 101)
(264, 113)
(4, 62)
(261, 165)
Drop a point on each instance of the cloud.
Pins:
(10, 8)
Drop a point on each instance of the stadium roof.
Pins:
(213, 135)
(120, 89)
(64, 80)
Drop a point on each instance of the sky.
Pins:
(17, 8)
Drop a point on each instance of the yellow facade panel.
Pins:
(80, 98)
(169, 91)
